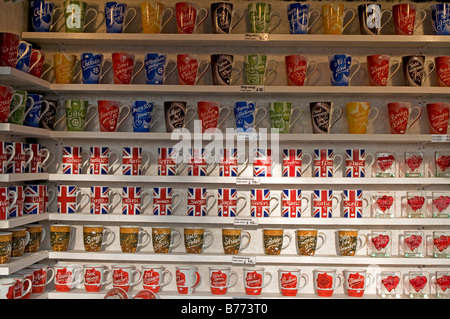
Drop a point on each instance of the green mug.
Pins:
(76, 113)
(280, 115)
(17, 110)
(255, 69)
(75, 14)
(260, 15)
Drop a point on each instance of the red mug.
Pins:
(109, 113)
(67, 277)
(438, 117)
(187, 15)
(378, 66)
(399, 116)
(443, 70)
(296, 69)
(6, 95)
(153, 278)
(95, 277)
(37, 63)
(219, 279)
(123, 67)
(188, 66)
(208, 113)
(41, 277)
(405, 18)
(9, 45)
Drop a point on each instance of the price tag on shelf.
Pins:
(248, 136)
(252, 88)
(248, 181)
(257, 36)
(440, 138)
(246, 260)
(245, 221)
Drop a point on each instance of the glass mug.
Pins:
(379, 243)
(412, 243)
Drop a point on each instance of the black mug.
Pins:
(222, 66)
(370, 16)
(321, 116)
(47, 121)
(414, 71)
(175, 115)
(222, 15)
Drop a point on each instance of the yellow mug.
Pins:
(152, 16)
(358, 114)
(333, 18)
(64, 65)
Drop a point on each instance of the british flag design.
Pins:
(99, 162)
(262, 163)
(71, 161)
(4, 203)
(352, 203)
(228, 162)
(197, 162)
(322, 203)
(131, 200)
(355, 162)
(22, 155)
(16, 210)
(132, 161)
(6, 153)
(34, 202)
(292, 163)
(196, 198)
(162, 201)
(260, 203)
(227, 202)
(291, 200)
(35, 165)
(67, 199)
(99, 200)
(166, 162)
(323, 163)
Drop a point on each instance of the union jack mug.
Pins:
(293, 162)
(227, 202)
(291, 203)
(163, 200)
(6, 204)
(228, 164)
(72, 160)
(132, 200)
(354, 203)
(322, 203)
(99, 160)
(67, 196)
(23, 155)
(132, 161)
(167, 162)
(16, 208)
(7, 152)
(198, 163)
(263, 163)
(355, 162)
(260, 203)
(37, 199)
(323, 164)
(101, 202)
(197, 204)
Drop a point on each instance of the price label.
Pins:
(245, 260)
(252, 88)
(248, 136)
(246, 221)
(440, 138)
(257, 36)
(248, 181)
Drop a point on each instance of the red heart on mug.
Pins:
(416, 202)
(385, 202)
(391, 282)
(385, 162)
(413, 242)
(414, 162)
(441, 203)
(380, 241)
(442, 242)
(418, 283)
(398, 119)
(439, 120)
(443, 282)
(443, 162)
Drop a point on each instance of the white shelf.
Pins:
(215, 220)
(17, 263)
(11, 178)
(26, 219)
(21, 130)
(260, 259)
(233, 40)
(214, 180)
(21, 80)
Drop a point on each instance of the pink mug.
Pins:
(188, 66)
(209, 112)
(438, 117)
(379, 68)
(123, 67)
(399, 116)
(405, 18)
(187, 15)
(296, 69)
(109, 113)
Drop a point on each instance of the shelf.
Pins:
(26, 219)
(18, 263)
(256, 181)
(214, 220)
(21, 80)
(21, 130)
(11, 178)
(235, 40)
(288, 259)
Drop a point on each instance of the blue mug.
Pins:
(142, 112)
(298, 16)
(34, 111)
(115, 14)
(91, 68)
(340, 68)
(24, 56)
(440, 18)
(42, 15)
(155, 68)
(245, 113)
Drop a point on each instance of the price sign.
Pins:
(245, 260)
(248, 181)
(246, 221)
(440, 138)
(252, 88)
(257, 36)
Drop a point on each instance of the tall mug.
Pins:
(153, 14)
(65, 65)
(333, 18)
(358, 114)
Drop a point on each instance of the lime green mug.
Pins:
(280, 115)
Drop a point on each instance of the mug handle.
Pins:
(354, 72)
(374, 118)
(309, 162)
(193, 116)
(48, 69)
(276, 24)
(110, 237)
(157, 118)
(51, 196)
(306, 278)
(37, 60)
(146, 241)
(30, 286)
(204, 17)
(298, 117)
(126, 114)
(247, 235)
(29, 150)
(93, 19)
(14, 194)
(226, 117)
(239, 209)
(433, 66)
(313, 71)
(111, 166)
(315, 21)
(13, 153)
(174, 244)
(85, 195)
(20, 97)
(244, 165)
(147, 162)
(133, 10)
(25, 53)
(305, 207)
(113, 205)
(133, 275)
(277, 199)
(208, 234)
(360, 241)
(269, 72)
(49, 280)
(105, 72)
(337, 202)
(235, 275)
(105, 274)
(324, 239)
(212, 203)
(46, 110)
(270, 279)
(289, 242)
(59, 18)
(340, 115)
(170, 17)
(175, 206)
(341, 281)
(396, 70)
(139, 70)
(199, 75)
(256, 113)
(149, 201)
(239, 68)
(166, 282)
(421, 20)
(171, 70)
(92, 117)
(236, 13)
(389, 19)
(340, 163)
(417, 117)
(371, 162)
(351, 19)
